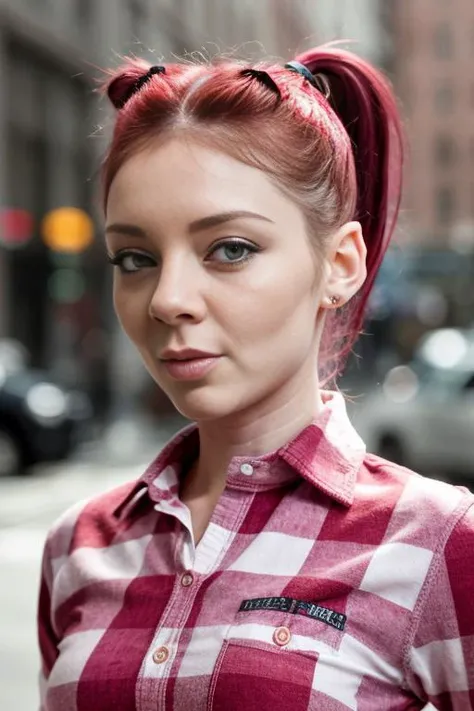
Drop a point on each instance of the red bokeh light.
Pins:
(16, 226)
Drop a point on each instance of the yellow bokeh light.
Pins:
(67, 229)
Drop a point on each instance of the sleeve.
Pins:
(47, 639)
(440, 659)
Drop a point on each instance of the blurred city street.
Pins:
(79, 413)
(28, 506)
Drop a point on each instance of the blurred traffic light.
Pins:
(66, 286)
(67, 230)
(16, 227)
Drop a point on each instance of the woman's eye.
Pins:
(233, 252)
(131, 262)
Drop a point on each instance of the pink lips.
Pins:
(188, 364)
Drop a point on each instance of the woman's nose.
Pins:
(177, 295)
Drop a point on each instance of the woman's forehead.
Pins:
(184, 177)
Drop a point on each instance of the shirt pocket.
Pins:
(268, 661)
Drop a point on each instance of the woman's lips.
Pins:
(190, 369)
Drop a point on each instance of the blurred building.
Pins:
(434, 55)
(50, 54)
(361, 24)
(53, 131)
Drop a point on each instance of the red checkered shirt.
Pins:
(327, 579)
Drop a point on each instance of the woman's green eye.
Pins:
(131, 262)
(233, 252)
(229, 252)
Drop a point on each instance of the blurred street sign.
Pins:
(67, 229)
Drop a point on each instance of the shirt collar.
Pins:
(328, 454)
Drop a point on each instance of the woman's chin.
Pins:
(199, 405)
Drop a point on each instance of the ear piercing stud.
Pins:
(334, 300)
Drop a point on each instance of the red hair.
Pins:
(336, 153)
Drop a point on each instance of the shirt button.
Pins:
(281, 636)
(187, 579)
(160, 655)
(246, 469)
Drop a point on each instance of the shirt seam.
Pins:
(53, 533)
(459, 512)
(344, 493)
(48, 577)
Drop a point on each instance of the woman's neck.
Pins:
(251, 434)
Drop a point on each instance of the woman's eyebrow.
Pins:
(197, 226)
(123, 229)
(220, 218)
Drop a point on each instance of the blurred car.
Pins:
(39, 420)
(423, 414)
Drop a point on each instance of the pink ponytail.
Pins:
(364, 102)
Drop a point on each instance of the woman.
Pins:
(264, 560)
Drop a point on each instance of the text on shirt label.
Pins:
(296, 607)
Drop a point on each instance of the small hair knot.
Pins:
(140, 82)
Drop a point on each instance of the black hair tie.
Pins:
(140, 82)
(262, 77)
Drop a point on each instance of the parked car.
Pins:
(423, 414)
(39, 420)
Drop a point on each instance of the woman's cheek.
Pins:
(127, 314)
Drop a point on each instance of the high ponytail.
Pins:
(364, 102)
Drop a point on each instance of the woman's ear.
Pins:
(345, 266)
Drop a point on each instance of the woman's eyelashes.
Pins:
(130, 261)
(231, 252)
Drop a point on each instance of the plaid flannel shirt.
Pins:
(327, 579)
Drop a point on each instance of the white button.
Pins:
(187, 579)
(246, 469)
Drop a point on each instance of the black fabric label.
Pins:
(296, 607)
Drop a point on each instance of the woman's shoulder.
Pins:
(419, 506)
(91, 522)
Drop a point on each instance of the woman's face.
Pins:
(211, 256)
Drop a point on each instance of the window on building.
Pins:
(84, 11)
(443, 42)
(444, 99)
(248, 24)
(445, 151)
(444, 206)
(46, 127)
(229, 25)
(212, 18)
(138, 18)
